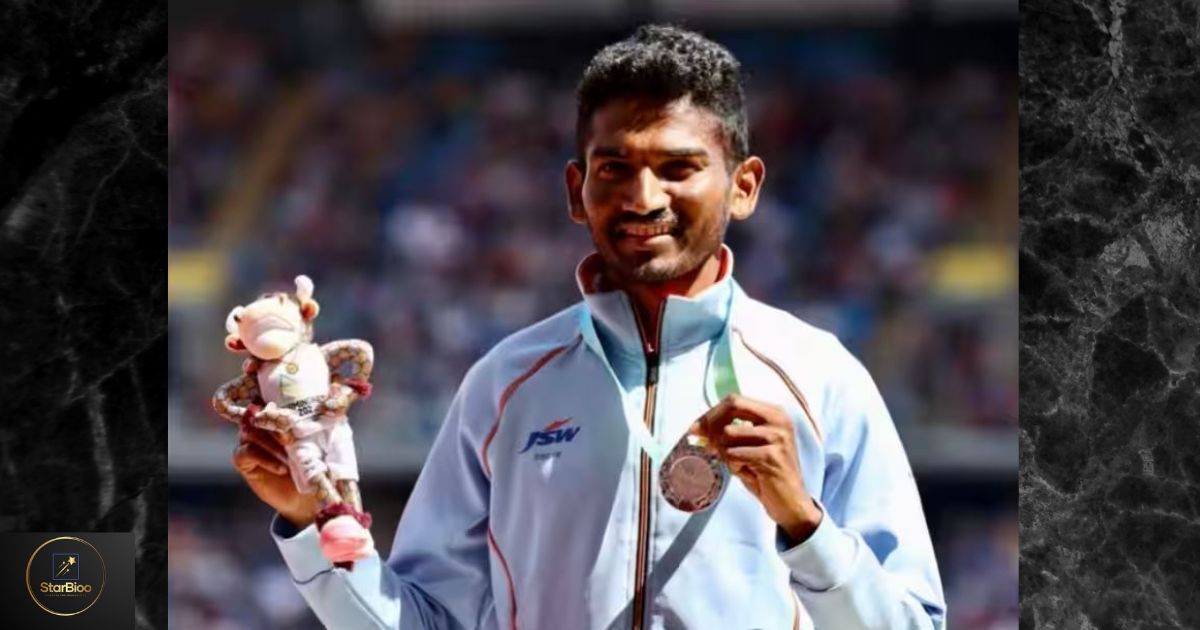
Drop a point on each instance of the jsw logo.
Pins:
(552, 434)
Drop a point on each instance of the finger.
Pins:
(249, 457)
(733, 434)
(734, 407)
(266, 440)
(754, 456)
(747, 475)
(756, 411)
(746, 434)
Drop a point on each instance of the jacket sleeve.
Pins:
(437, 575)
(870, 562)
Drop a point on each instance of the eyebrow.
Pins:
(682, 152)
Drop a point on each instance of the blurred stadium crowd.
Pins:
(418, 179)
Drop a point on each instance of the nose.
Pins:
(646, 193)
(259, 308)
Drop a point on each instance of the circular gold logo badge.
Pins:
(65, 576)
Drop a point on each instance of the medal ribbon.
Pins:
(724, 382)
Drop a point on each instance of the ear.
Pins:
(304, 287)
(573, 176)
(747, 182)
(309, 310)
(232, 320)
(233, 343)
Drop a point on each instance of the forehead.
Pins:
(275, 295)
(633, 125)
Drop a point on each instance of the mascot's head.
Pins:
(270, 326)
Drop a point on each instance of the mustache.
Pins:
(661, 217)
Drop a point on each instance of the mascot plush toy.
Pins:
(302, 392)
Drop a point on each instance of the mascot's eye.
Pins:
(237, 318)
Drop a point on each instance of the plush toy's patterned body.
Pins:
(322, 441)
(302, 393)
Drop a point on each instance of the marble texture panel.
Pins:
(83, 189)
(1110, 314)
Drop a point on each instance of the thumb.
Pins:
(705, 441)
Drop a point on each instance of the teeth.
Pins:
(646, 230)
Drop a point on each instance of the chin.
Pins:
(653, 272)
(662, 268)
(272, 345)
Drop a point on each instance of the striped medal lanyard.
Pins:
(692, 475)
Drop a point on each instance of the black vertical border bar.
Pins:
(83, 208)
(1110, 313)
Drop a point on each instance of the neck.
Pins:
(648, 298)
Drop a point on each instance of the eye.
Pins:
(612, 169)
(237, 319)
(679, 170)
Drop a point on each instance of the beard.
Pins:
(647, 267)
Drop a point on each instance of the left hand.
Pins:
(338, 401)
(761, 451)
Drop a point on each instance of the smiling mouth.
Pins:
(645, 229)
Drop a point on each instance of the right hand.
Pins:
(280, 420)
(262, 462)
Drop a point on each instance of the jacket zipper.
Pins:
(643, 545)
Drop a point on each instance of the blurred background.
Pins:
(408, 156)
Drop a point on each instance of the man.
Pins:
(539, 505)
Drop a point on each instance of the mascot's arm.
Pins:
(350, 362)
(235, 398)
(239, 401)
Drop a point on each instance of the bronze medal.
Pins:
(692, 477)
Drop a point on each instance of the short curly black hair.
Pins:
(665, 62)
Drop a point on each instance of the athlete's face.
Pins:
(656, 191)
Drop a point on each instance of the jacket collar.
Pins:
(608, 313)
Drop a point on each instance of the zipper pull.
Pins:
(652, 368)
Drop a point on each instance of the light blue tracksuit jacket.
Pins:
(539, 506)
